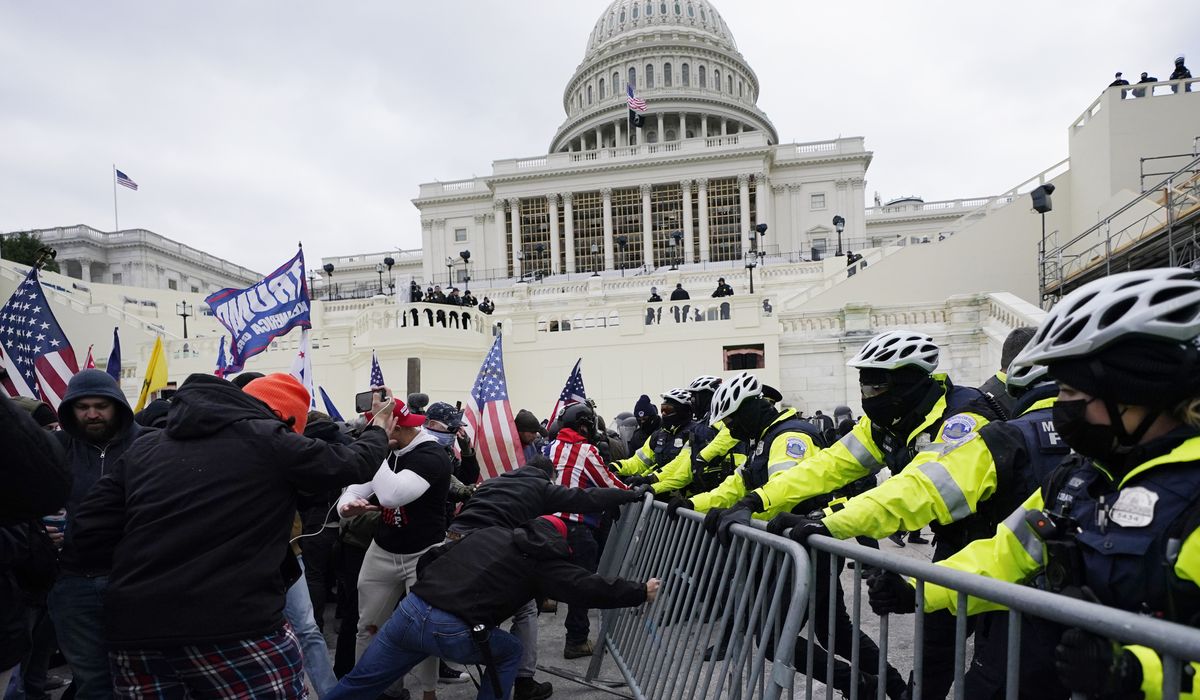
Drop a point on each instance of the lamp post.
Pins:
(1042, 204)
(184, 309)
(751, 263)
(466, 258)
(389, 261)
(520, 256)
(622, 243)
(328, 268)
(379, 271)
(595, 260)
(540, 250)
(839, 225)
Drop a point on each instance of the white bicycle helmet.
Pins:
(1162, 303)
(705, 382)
(1020, 377)
(682, 396)
(732, 394)
(896, 349)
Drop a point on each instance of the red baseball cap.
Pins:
(406, 417)
(557, 523)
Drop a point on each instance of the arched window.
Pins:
(741, 89)
(602, 94)
(717, 80)
(616, 84)
(700, 74)
(633, 77)
(703, 16)
(589, 94)
(651, 137)
(649, 75)
(649, 8)
(635, 11)
(691, 11)
(729, 79)
(678, 9)
(687, 75)
(662, 8)
(667, 75)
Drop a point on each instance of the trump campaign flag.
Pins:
(33, 348)
(259, 314)
(491, 418)
(572, 393)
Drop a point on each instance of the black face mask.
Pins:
(890, 407)
(1098, 442)
(748, 422)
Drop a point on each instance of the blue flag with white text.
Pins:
(261, 313)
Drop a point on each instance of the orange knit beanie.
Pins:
(286, 396)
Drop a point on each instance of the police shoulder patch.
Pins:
(958, 427)
(796, 448)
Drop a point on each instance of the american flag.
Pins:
(222, 361)
(491, 418)
(376, 372)
(33, 347)
(123, 179)
(302, 368)
(635, 103)
(572, 393)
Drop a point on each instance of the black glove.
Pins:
(782, 522)
(888, 592)
(676, 503)
(711, 518)
(637, 493)
(737, 515)
(1095, 666)
(807, 527)
(641, 480)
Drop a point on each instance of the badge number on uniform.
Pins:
(1134, 507)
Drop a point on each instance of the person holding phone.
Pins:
(410, 489)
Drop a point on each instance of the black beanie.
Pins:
(1137, 371)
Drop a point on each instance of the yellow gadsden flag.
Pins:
(156, 374)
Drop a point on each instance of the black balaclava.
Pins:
(681, 415)
(911, 393)
(750, 419)
(701, 402)
(1137, 372)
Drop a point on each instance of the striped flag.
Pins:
(637, 104)
(491, 418)
(572, 393)
(302, 368)
(376, 372)
(33, 348)
(125, 181)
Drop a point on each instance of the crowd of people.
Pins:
(189, 550)
(433, 294)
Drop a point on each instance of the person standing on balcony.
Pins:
(1180, 73)
(680, 294)
(414, 292)
(1146, 78)
(723, 290)
(654, 297)
(1118, 81)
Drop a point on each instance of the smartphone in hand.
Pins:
(363, 400)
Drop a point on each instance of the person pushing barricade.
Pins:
(1119, 521)
(466, 588)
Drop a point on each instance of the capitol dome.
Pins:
(681, 58)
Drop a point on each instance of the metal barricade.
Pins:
(726, 619)
(1176, 644)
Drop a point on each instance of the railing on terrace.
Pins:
(149, 238)
(1162, 88)
(1156, 211)
(551, 161)
(424, 316)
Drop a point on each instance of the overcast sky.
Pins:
(250, 126)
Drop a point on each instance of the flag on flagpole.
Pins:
(33, 348)
(125, 181)
(89, 363)
(376, 372)
(114, 358)
(222, 362)
(302, 368)
(491, 418)
(572, 393)
(156, 374)
(330, 409)
(637, 104)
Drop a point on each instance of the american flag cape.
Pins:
(33, 347)
(572, 392)
(491, 418)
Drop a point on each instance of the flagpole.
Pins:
(116, 219)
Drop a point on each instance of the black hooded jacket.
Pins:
(87, 460)
(196, 518)
(487, 575)
(523, 494)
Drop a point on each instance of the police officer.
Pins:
(908, 408)
(1117, 522)
(995, 389)
(709, 459)
(976, 483)
(664, 444)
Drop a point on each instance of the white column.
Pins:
(85, 270)
(766, 203)
(704, 126)
(686, 187)
(702, 193)
(662, 128)
(608, 228)
(856, 222)
(723, 126)
(598, 138)
(617, 135)
(498, 232)
(514, 235)
(569, 228)
(647, 229)
(744, 202)
(552, 201)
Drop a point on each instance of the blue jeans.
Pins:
(298, 610)
(418, 630)
(77, 608)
